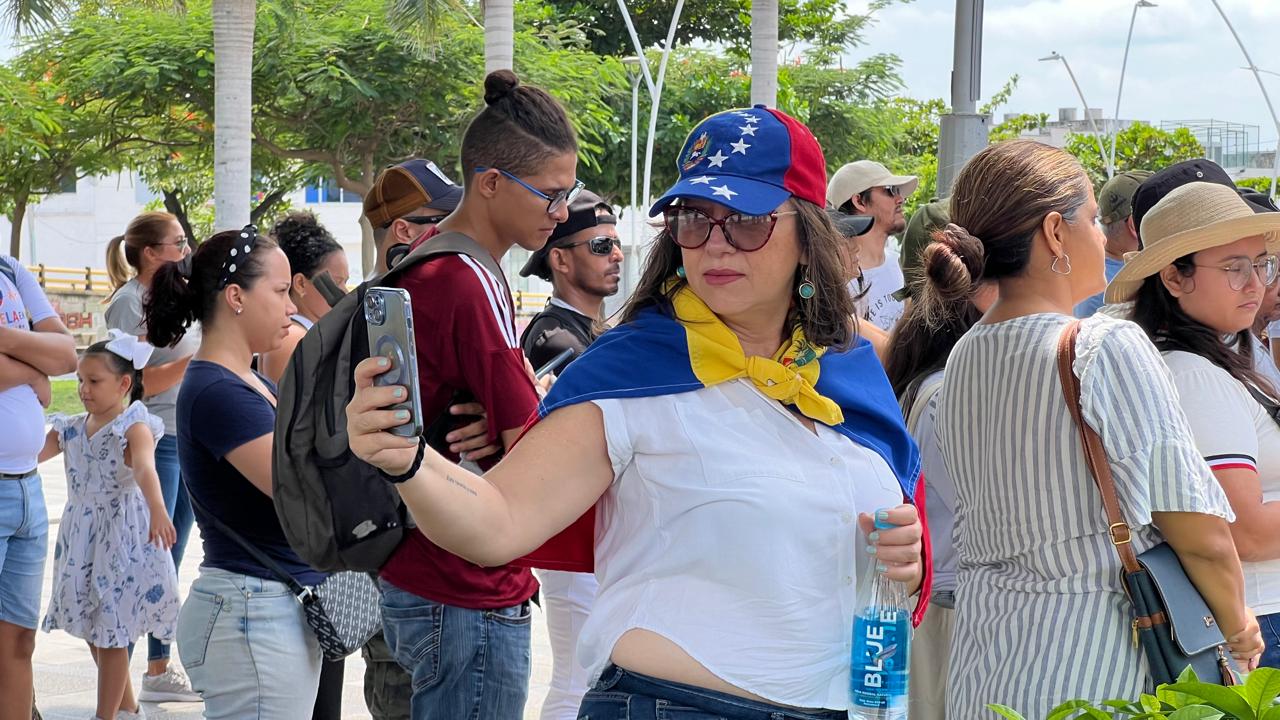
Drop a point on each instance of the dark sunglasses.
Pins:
(424, 219)
(691, 228)
(599, 245)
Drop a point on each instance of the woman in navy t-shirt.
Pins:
(237, 287)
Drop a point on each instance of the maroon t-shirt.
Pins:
(464, 326)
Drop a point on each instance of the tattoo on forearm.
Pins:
(463, 486)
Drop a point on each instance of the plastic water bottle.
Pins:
(880, 657)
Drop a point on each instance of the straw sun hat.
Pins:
(1194, 217)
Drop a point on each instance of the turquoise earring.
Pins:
(680, 272)
(806, 291)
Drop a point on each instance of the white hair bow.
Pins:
(130, 348)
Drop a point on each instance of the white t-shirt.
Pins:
(1232, 430)
(878, 305)
(21, 417)
(731, 530)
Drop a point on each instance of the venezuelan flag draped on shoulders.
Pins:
(687, 348)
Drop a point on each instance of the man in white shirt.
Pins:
(866, 187)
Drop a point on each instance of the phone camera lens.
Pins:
(375, 311)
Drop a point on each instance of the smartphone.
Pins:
(389, 317)
(554, 364)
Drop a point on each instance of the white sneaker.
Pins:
(169, 686)
(126, 715)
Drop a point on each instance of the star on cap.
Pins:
(740, 146)
(749, 130)
(718, 159)
(723, 191)
(704, 180)
(752, 119)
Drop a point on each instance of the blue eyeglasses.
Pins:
(554, 202)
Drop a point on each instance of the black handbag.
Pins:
(343, 612)
(1171, 621)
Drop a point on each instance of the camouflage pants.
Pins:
(387, 687)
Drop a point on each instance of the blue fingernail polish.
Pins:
(402, 414)
(399, 393)
(871, 549)
(874, 536)
(382, 362)
(882, 516)
(880, 568)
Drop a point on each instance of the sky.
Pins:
(1183, 63)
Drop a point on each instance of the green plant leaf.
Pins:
(1196, 712)
(1221, 698)
(1095, 713)
(1262, 687)
(1005, 711)
(1150, 704)
(1271, 714)
(1067, 710)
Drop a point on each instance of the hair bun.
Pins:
(498, 85)
(952, 263)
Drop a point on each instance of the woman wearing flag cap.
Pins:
(714, 458)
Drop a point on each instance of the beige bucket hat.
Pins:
(1194, 217)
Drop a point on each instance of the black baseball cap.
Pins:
(850, 225)
(588, 210)
(1154, 188)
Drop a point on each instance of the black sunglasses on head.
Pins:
(600, 245)
(424, 219)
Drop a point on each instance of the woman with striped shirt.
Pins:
(1206, 266)
(1041, 616)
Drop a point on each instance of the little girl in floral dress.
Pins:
(113, 579)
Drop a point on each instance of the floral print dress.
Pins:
(110, 585)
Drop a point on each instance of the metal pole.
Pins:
(962, 133)
(635, 171)
(635, 42)
(657, 98)
(1092, 125)
(1115, 118)
(1275, 170)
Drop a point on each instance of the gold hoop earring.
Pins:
(1054, 267)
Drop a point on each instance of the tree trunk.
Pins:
(175, 207)
(499, 35)
(15, 230)
(764, 52)
(233, 23)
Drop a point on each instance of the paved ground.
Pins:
(66, 678)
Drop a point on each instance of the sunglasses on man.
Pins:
(600, 245)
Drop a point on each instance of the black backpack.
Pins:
(336, 510)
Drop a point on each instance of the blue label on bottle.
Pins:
(879, 667)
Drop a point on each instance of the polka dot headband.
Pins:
(239, 255)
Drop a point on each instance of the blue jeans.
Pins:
(465, 664)
(247, 647)
(24, 543)
(624, 695)
(1270, 625)
(178, 503)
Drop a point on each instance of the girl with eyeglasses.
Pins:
(1197, 285)
(151, 240)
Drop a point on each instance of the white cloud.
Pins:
(1183, 63)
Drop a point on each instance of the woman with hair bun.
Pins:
(1041, 613)
(950, 296)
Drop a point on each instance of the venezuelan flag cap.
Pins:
(749, 160)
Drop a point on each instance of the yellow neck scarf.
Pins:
(788, 377)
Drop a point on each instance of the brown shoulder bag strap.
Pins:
(1094, 454)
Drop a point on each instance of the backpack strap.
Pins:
(302, 592)
(450, 243)
(924, 395)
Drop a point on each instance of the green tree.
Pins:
(1138, 147)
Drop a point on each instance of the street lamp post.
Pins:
(633, 64)
(1275, 171)
(1092, 125)
(1115, 131)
